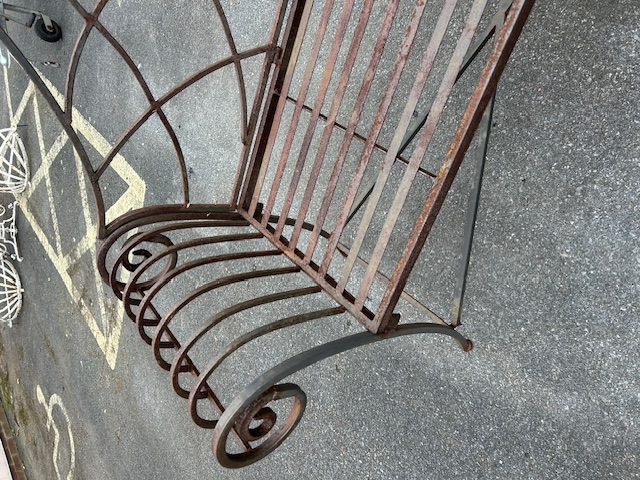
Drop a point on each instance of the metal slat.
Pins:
(383, 36)
(272, 117)
(502, 49)
(446, 86)
(394, 79)
(315, 115)
(407, 114)
(295, 119)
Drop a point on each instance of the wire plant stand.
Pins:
(10, 292)
(9, 232)
(14, 163)
(10, 285)
(359, 121)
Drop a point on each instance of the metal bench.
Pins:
(361, 117)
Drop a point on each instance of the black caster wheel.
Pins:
(47, 35)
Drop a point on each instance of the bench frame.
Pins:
(136, 272)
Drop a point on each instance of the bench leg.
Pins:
(252, 403)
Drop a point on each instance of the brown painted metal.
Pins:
(286, 238)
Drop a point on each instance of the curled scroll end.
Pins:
(267, 431)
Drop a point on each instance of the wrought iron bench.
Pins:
(338, 186)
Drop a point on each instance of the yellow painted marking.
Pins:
(107, 329)
(54, 401)
(47, 161)
(7, 90)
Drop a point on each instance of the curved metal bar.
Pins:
(243, 340)
(132, 285)
(222, 315)
(75, 57)
(218, 215)
(172, 93)
(171, 211)
(68, 129)
(258, 410)
(93, 18)
(263, 387)
(122, 260)
(238, 66)
(179, 153)
(162, 281)
(163, 325)
(119, 288)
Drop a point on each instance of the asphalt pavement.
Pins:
(551, 388)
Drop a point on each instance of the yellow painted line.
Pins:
(106, 329)
(8, 92)
(47, 160)
(56, 401)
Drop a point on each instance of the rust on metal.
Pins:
(351, 102)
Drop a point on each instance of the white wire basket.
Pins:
(9, 233)
(10, 292)
(14, 164)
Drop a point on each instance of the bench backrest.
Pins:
(359, 121)
(364, 127)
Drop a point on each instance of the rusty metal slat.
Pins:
(137, 219)
(405, 119)
(383, 36)
(217, 214)
(208, 287)
(330, 121)
(313, 119)
(344, 250)
(150, 237)
(295, 118)
(132, 284)
(223, 315)
(242, 340)
(257, 103)
(394, 79)
(502, 49)
(444, 91)
(326, 282)
(152, 287)
(205, 391)
(479, 43)
(256, 150)
(359, 136)
(167, 277)
(273, 116)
